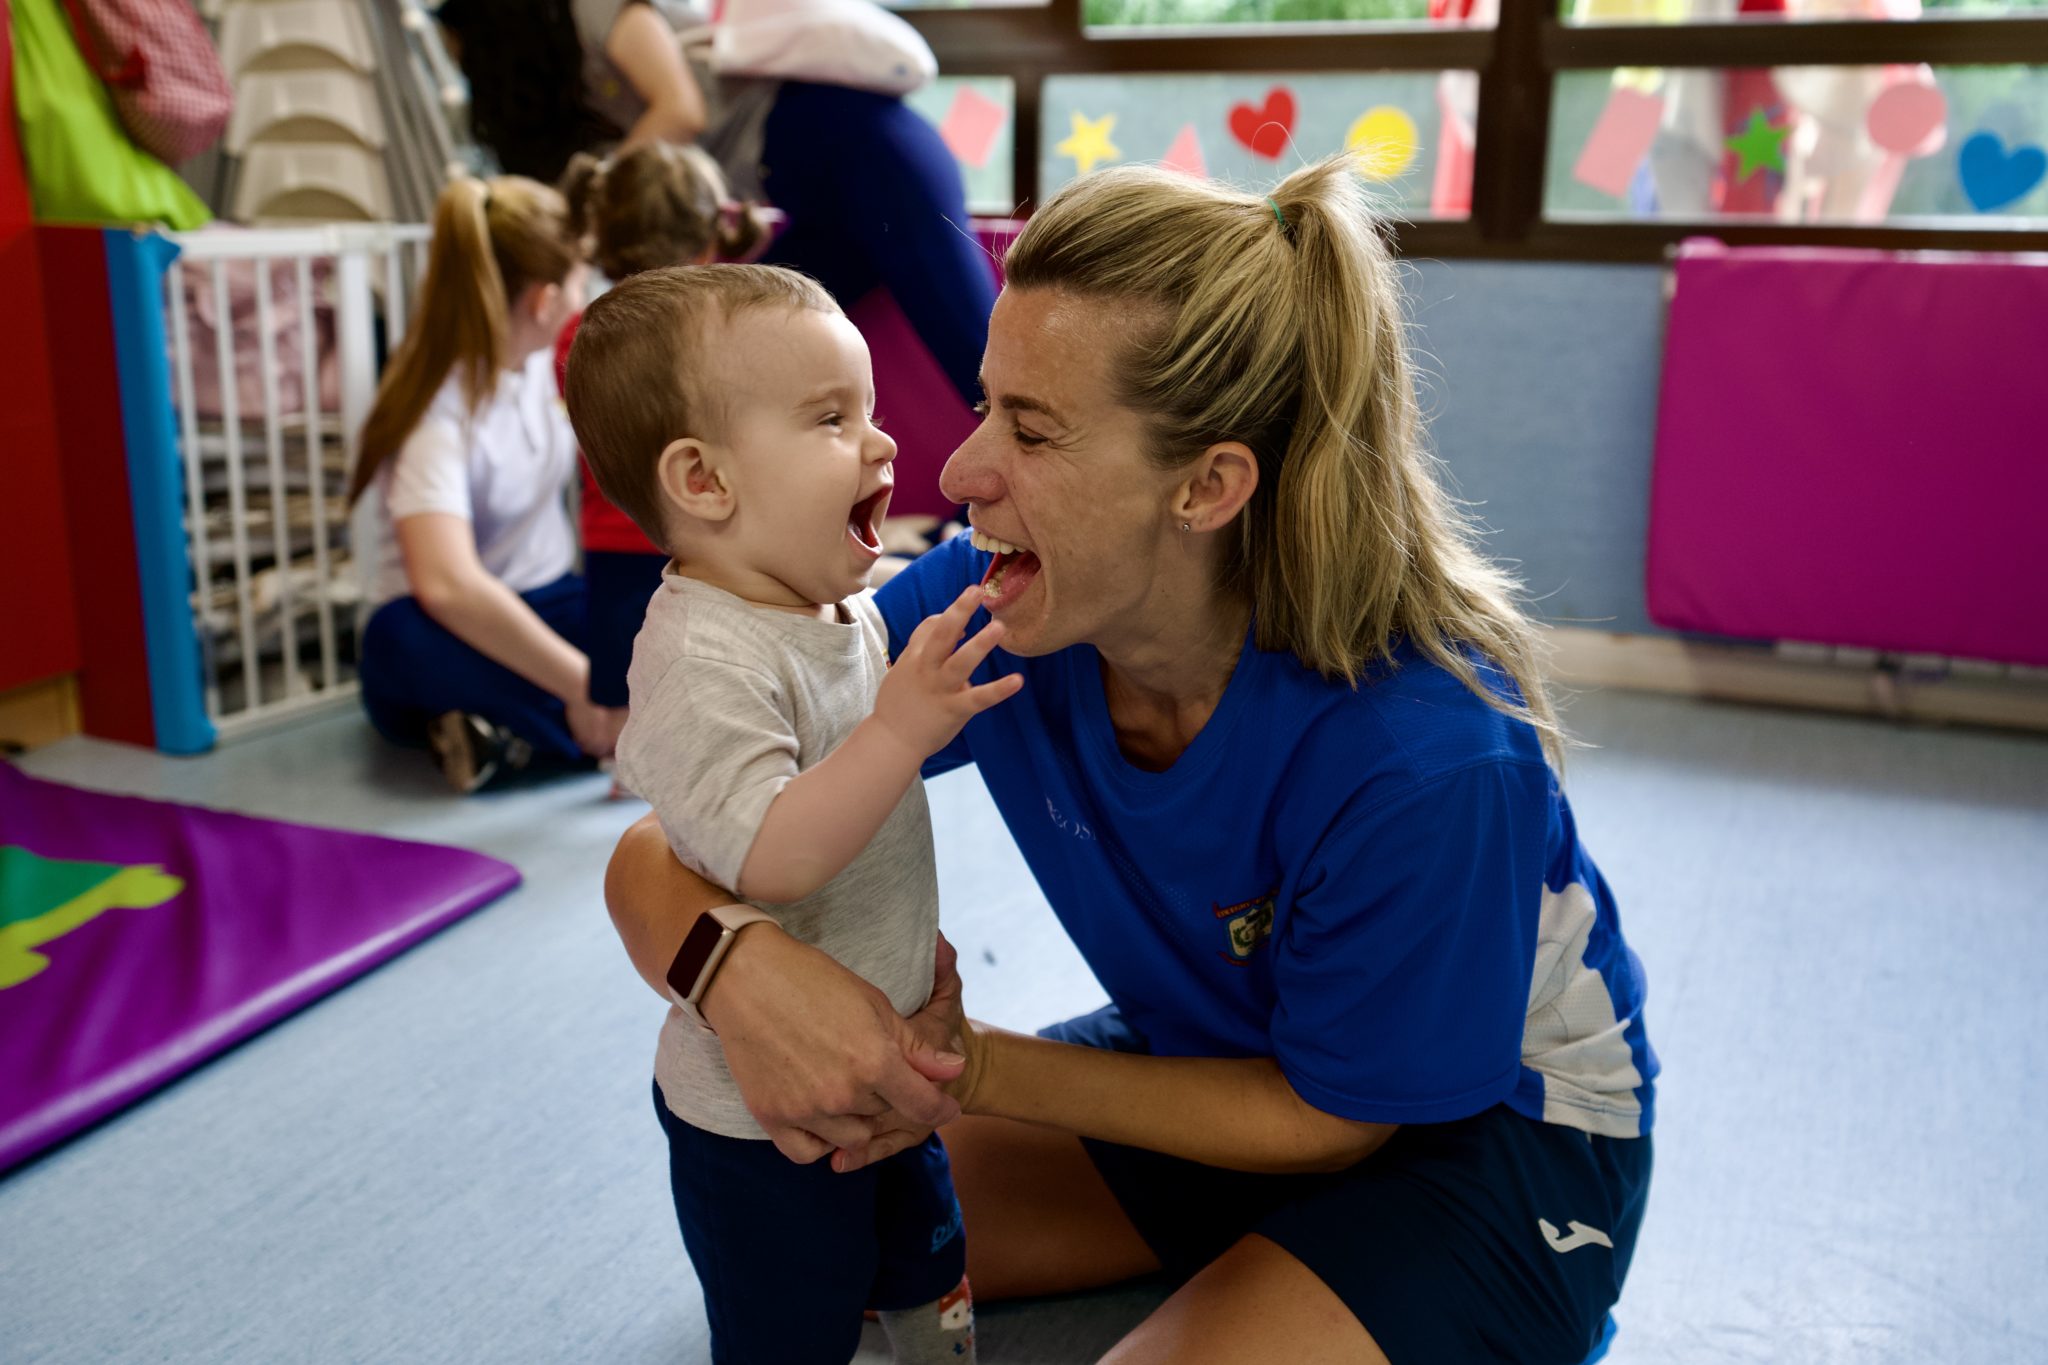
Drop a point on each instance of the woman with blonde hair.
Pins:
(474, 645)
(1373, 1083)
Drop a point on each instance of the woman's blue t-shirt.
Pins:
(1380, 887)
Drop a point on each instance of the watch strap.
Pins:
(687, 986)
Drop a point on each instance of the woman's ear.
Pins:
(691, 483)
(1216, 487)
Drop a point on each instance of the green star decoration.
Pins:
(1760, 146)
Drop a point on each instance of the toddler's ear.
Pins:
(691, 483)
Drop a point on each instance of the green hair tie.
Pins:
(1277, 213)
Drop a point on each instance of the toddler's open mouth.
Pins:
(864, 522)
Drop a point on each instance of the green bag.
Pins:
(81, 166)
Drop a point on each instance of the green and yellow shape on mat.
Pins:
(46, 898)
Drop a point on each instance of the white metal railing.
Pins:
(275, 585)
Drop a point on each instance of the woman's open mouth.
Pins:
(864, 522)
(1010, 572)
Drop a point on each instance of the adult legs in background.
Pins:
(874, 197)
(412, 670)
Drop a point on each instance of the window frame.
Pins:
(1518, 63)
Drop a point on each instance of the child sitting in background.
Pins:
(658, 204)
(475, 641)
(727, 410)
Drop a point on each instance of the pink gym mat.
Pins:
(1852, 449)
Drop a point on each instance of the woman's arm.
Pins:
(1237, 1113)
(453, 586)
(644, 48)
(817, 1052)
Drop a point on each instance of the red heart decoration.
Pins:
(1265, 130)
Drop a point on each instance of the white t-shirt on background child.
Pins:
(504, 468)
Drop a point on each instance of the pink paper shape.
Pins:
(970, 127)
(1910, 119)
(1620, 141)
(1185, 154)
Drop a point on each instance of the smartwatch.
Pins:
(704, 947)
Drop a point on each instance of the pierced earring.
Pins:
(1186, 527)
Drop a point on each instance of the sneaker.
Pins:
(471, 750)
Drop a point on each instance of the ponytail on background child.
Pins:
(475, 643)
(493, 240)
(656, 204)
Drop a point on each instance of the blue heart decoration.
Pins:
(1994, 177)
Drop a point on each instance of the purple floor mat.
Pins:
(138, 938)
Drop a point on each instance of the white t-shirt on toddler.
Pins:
(504, 468)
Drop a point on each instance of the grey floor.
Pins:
(453, 1159)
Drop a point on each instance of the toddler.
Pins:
(727, 410)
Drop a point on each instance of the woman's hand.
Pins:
(819, 1055)
(941, 1028)
(816, 1051)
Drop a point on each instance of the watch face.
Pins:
(695, 952)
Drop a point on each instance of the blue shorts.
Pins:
(412, 668)
(789, 1256)
(1493, 1238)
(616, 586)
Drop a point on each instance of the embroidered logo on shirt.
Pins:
(1250, 923)
(1063, 823)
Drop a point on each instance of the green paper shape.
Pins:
(1760, 146)
(46, 898)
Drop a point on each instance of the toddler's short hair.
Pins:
(635, 371)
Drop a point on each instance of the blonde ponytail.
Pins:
(1278, 322)
(491, 242)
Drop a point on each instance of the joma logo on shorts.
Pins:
(1249, 923)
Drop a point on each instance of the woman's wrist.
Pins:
(749, 966)
(975, 1091)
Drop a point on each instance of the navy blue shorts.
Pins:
(412, 668)
(790, 1255)
(1494, 1238)
(616, 586)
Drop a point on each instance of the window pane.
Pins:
(1707, 11)
(1412, 129)
(1359, 13)
(975, 117)
(1911, 145)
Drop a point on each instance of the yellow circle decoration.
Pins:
(1385, 139)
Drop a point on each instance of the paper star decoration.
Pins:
(1760, 146)
(1089, 142)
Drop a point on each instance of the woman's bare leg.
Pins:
(1039, 1218)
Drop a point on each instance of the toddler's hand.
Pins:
(926, 697)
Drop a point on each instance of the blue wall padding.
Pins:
(135, 284)
(1540, 380)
